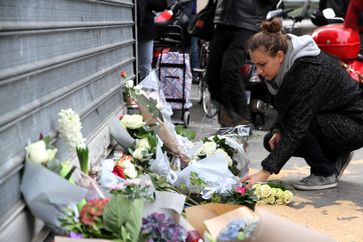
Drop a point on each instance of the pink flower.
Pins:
(241, 190)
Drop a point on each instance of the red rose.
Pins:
(118, 171)
(123, 74)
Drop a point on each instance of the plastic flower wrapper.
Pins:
(120, 134)
(160, 165)
(213, 170)
(239, 194)
(93, 189)
(47, 194)
(273, 192)
(160, 115)
(238, 230)
(135, 189)
(108, 179)
(159, 227)
(232, 150)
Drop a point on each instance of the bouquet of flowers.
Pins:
(240, 194)
(156, 112)
(44, 190)
(233, 153)
(124, 168)
(159, 227)
(134, 189)
(238, 230)
(272, 192)
(117, 218)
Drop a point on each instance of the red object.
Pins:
(164, 16)
(245, 69)
(338, 40)
(119, 171)
(357, 66)
(355, 8)
(194, 236)
(157, 51)
(123, 74)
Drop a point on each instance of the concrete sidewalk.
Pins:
(337, 211)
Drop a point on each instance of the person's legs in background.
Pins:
(218, 45)
(145, 54)
(233, 87)
(194, 56)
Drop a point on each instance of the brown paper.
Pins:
(165, 134)
(217, 224)
(272, 228)
(196, 215)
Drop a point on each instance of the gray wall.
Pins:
(57, 54)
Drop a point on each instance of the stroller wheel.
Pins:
(208, 105)
(186, 118)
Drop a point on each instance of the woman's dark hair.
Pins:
(272, 38)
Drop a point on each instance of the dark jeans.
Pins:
(316, 151)
(226, 57)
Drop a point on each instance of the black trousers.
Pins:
(315, 149)
(226, 57)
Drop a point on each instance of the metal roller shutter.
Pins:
(57, 54)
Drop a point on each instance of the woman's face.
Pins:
(267, 66)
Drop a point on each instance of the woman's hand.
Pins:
(259, 176)
(275, 139)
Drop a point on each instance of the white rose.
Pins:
(208, 148)
(134, 121)
(130, 83)
(37, 152)
(130, 172)
(226, 156)
(137, 154)
(126, 164)
(142, 143)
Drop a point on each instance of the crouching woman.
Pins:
(320, 107)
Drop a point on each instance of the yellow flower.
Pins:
(266, 190)
(270, 199)
(279, 201)
(288, 195)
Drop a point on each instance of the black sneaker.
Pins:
(314, 182)
(342, 162)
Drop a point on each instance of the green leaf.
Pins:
(82, 154)
(122, 212)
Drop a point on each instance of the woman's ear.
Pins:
(280, 55)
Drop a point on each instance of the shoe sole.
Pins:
(314, 188)
(350, 157)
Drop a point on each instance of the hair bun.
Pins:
(273, 26)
